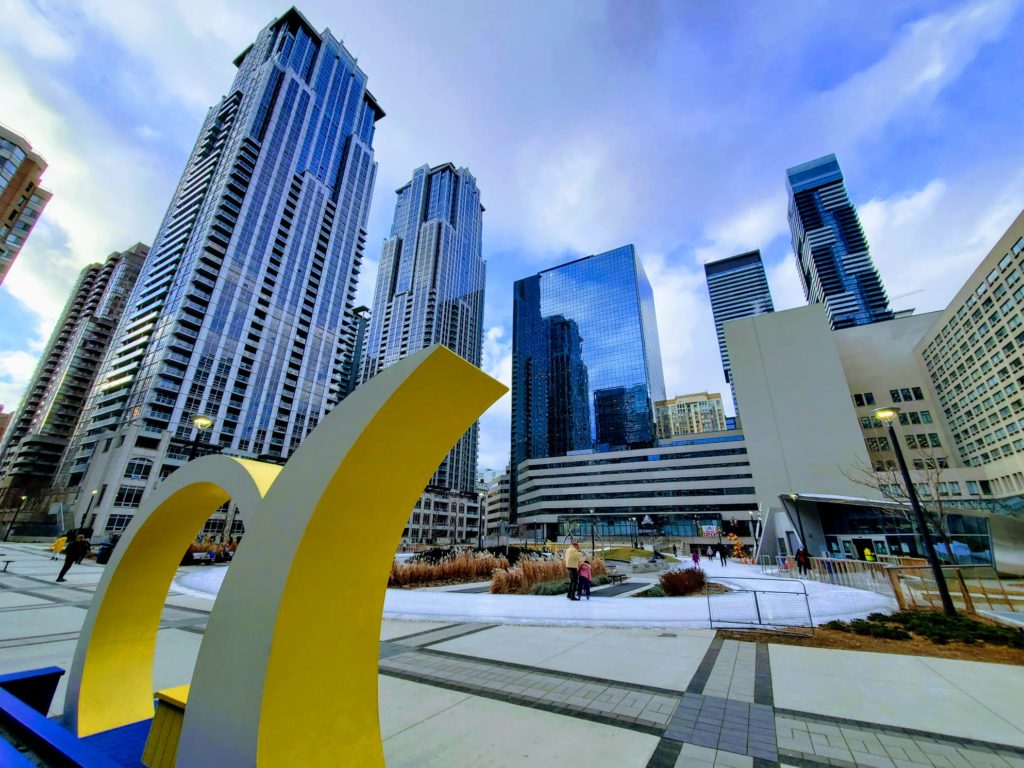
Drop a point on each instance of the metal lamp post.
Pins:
(85, 515)
(887, 416)
(593, 546)
(10, 525)
(201, 423)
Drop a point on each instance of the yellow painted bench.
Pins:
(162, 743)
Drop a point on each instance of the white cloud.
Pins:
(15, 370)
(36, 35)
(495, 424)
(752, 227)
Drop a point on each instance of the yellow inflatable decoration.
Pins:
(287, 670)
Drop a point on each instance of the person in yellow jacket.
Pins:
(573, 557)
(58, 546)
(869, 555)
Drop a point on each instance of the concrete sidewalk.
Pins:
(476, 694)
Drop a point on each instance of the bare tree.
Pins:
(926, 471)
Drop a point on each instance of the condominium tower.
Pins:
(738, 288)
(430, 290)
(586, 362)
(243, 311)
(832, 253)
(21, 197)
(56, 393)
(690, 414)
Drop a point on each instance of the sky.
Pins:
(587, 124)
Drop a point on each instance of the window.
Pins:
(915, 417)
(904, 419)
(926, 417)
(117, 523)
(138, 469)
(933, 440)
(918, 394)
(865, 422)
(858, 400)
(895, 395)
(869, 398)
(906, 394)
(128, 496)
(911, 442)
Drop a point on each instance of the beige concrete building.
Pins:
(21, 197)
(690, 414)
(496, 504)
(808, 398)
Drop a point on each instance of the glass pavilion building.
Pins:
(586, 361)
(244, 311)
(832, 254)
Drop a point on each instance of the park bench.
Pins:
(612, 573)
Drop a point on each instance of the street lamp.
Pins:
(10, 525)
(795, 498)
(593, 546)
(887, 416)
(201, 423)
(634, 532)
(92, 498)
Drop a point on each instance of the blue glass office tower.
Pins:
(586, 362)
(243, 311)
(832, 253)
(430, 290)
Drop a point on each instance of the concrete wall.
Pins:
(799, 421)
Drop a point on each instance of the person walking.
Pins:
(71, 555)
(723, 557)
(695, 556)
(586, 575)
(573, 557)
(803, 560)
(710, 553)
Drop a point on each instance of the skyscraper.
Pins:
(738, 287)
(586, 361)
(832, 253)
(430, 290)
(21, 197)
(243, 311)
(690, 414)
(56, 393)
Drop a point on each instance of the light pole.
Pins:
(633, 533)
(10, 525)
(201, 423)
(887, 416)
(593, 546)
(799, 520)
(92, 498)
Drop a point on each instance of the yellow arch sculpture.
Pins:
(287, 670)
(111, 679)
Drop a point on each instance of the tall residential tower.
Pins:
(243, 311)
(832, 253)
(430, 290)
(21, 197)
(56, 393)
(738, 287)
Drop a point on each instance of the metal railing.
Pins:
(754, 607)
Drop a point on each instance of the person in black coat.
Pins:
(73, 553)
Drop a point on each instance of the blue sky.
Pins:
(588, 125)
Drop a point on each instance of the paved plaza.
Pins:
(491, 694)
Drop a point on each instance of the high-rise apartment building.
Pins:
(690, 414)
(56, 393)
(738, 287)
(243, 311)
(21, 197)
(832, 253)
(430, 290)
(586, 362)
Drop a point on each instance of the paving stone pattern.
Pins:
(733, 674)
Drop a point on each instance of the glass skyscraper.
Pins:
(430, 289)
(243, 311)
(738, 287)
(586, 362)
(832, 253)
(21, 197)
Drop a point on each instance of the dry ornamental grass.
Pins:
(454, 568)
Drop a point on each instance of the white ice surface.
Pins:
(826, 602)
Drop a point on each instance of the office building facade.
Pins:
(690, 414)
(833, 258)
(430, 290)
(21, 197)
(737, 287)
(586, 361)
(56, 393)
(243, 311)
